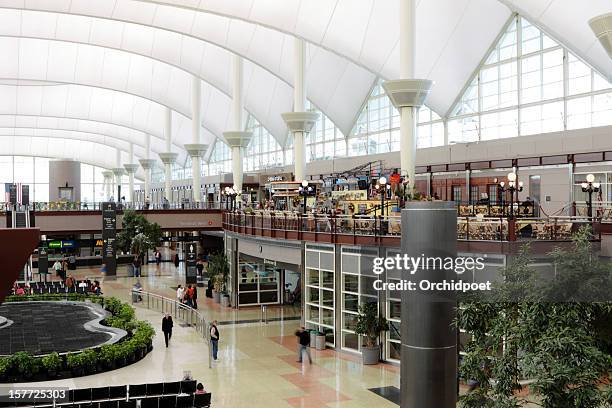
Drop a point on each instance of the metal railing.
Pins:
(97, 206)
(469, 228)
(178, 311)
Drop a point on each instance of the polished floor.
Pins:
(257, 366)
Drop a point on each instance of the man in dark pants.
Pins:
(304, 342)
(167, 327)
(214, 339)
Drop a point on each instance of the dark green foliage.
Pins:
(218, 270)
(370, 323)
(553, 332)
(137, 235)
(140, 335)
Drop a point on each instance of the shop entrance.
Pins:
(263, 282)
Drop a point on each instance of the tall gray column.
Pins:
(428, 376)
(131, 169)
(119, 172)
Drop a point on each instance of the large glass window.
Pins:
(220, 159)
(320, 290)
(263, 151)
(520, 90)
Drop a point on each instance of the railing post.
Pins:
(512, 229)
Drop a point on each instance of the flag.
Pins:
(7, 192)
(19, 193)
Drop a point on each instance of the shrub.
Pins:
(52, 362)
(107, 354)
(5, 366)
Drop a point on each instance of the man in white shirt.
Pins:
(180, 292)
(214, 339)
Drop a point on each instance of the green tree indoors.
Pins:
(553, 333)
(137, 235)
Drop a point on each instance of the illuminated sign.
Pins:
(62, 244)
(99, 243)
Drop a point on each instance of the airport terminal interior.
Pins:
(306, 203)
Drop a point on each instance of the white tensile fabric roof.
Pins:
(110, 67)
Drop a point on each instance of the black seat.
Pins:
(202, 400)
(118, 391)
(149, 402)
(184, 401)
(138, 390)
(188, 386)
(172, 388)
(108, 404)
(100, 393)
(167, 401)
(127, 404)
(82, 395)
(155, 389)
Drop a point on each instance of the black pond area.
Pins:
(41, 328)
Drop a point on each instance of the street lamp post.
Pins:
(304, 191)
(512, 188)
(382, 189)
(590, 187)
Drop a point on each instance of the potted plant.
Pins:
(370, 324)
(5, 367)
(74, 362)
(107, 356)
(218, 269)
(25, 365)
(52, 364)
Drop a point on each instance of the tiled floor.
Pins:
(257, 366)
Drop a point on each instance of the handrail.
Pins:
(42, 206)
(178, 310)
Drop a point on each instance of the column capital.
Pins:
(405, 93)
(147, 164)
(131, 168)
(107, 174)
(118, 171)
(602, 27)
(238, 138)
(168, 157)
(196, 149)
(300, 121)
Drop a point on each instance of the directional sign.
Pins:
(109, 234)
(191, 275)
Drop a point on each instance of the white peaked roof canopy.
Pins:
(129, 59)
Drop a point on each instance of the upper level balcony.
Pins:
(474, 233)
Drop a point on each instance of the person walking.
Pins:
(303, 343)
(136, 265)
(176, 260)
(189, 296)
(157, 257)
(167, 324)
(214, 339)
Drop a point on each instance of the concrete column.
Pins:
(108, 183)
(299, 121)
(238, 139)
(131, 169)
(118, 171)
(428, 374)
(196, 126)
(147, 164)
(167, 157)
(407, 94)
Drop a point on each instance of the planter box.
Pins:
(313, 339)
(225, 301)
(370, 355)
(320, 342)
(216, 296)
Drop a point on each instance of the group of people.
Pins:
(187, 296)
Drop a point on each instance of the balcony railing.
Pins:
(97, 206)
(370, 229)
